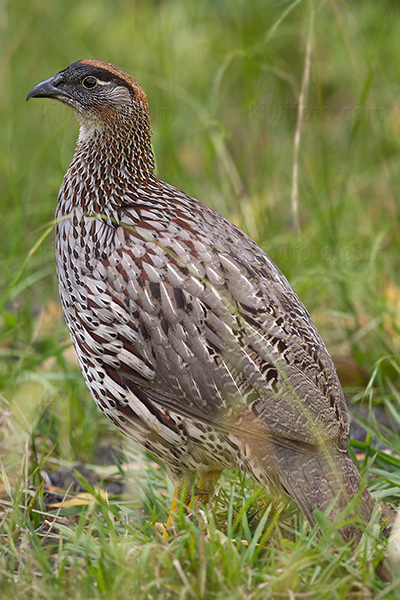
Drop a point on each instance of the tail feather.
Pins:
(329, 479)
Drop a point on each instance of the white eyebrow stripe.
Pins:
(100, 82)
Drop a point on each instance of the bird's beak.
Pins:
(47, 89)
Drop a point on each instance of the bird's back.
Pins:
(166, 299)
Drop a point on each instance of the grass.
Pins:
(223, 81)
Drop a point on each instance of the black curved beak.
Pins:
(47, 89)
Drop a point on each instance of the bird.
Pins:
(189, 337)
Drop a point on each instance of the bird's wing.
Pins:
(209, 328)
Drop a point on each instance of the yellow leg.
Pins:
(202, 493)
(205, 486)
(184, 488)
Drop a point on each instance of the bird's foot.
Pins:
(184, 500)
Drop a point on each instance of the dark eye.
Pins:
(89, 82)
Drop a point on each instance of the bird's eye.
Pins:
(89, 83)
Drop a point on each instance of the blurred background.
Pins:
(317, 188)
(223, 80)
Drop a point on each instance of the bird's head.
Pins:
(112, 110)
(101, 94)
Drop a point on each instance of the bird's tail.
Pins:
(328, 481)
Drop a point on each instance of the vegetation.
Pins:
(224, 81)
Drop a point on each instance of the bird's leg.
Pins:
(182, 490)
(205, 486)
(202, 493)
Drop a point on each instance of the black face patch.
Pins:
(74, 74)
